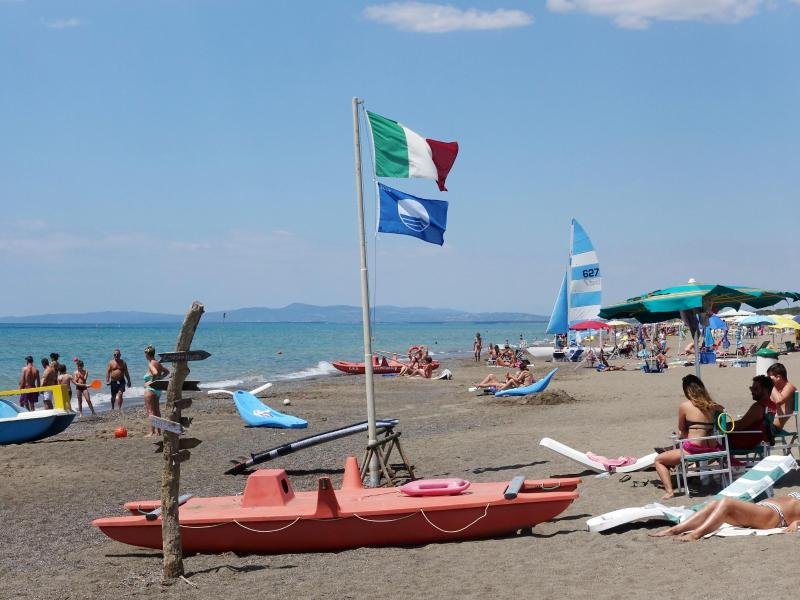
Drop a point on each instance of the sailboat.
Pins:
(579, 296)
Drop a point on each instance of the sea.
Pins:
(243, 355)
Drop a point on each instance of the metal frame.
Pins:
(721, 456)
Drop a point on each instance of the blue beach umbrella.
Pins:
(714, 322)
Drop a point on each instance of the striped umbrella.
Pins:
(690, 302)
(662, 305)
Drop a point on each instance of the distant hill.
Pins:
(293, 313)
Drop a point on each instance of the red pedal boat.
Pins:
(271, 518)
(380, 366)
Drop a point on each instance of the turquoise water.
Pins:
(244, 355)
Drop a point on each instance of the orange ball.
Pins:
(120, 432)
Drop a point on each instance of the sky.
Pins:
(156, 152)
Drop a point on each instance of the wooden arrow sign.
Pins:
(182, 455)
(187, 443)
(183, 356)
(188, 386)
(166, 424)
(183, 403)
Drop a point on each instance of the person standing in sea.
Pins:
(49, 377)
(116, 376)
(80, 377)
(29, 378)
(477, 345)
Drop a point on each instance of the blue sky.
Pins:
(159, 151)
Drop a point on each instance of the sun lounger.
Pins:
(535, 387)
(748, 487)
(583, 459)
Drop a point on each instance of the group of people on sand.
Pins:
(420, 363)
(118, 379)
(772, 401)
(521, 378)
(698, 415)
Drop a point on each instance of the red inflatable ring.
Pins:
(435, 487)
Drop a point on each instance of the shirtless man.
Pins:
(49, 377)
(782, 393)
(29, 378)
(116, 376)
(66, 379)
(522, 378)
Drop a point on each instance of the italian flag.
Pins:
(400, 152)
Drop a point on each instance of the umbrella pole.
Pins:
(697, 352)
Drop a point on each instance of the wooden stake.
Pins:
(170, 482)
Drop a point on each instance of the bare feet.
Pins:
(149, 434)
(668, 495)
(661, 533)
(689, 537)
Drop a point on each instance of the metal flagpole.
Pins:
(374, 475)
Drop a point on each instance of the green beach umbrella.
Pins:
(691, 300)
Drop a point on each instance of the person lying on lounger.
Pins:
(696, 419)
(604, 366)
(513, 380)
(767, 514)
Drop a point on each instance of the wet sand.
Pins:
(51, 490)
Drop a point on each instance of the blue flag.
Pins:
(408, 215)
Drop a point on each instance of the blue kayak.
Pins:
(257, 414)
(535, 387)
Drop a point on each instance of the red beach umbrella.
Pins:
(584, 325)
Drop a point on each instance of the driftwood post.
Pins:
(170, 482)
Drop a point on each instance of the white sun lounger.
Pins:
(748, 487)
(580, 457)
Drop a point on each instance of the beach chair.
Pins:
(583, 458)
(534, 388)
(785, 440)
(717, 461)
(749, 486)
(576, 355)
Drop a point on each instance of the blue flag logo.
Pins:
(408, 215)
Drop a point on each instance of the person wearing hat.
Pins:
(29, 379)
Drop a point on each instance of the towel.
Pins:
(612, 463)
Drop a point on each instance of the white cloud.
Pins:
(62, 23)
(639, 14)
(420, 17)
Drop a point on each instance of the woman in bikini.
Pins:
(80, 377)
(775, 512)
(155, 371)
(696, 419)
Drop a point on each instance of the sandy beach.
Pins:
(51, 490)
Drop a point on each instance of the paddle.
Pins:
(96, 384)
(255, 392)
(261, 388)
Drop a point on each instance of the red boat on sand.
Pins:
(271, 518)
(380, 366)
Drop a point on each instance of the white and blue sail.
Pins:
(585, 283)
(579, 297)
